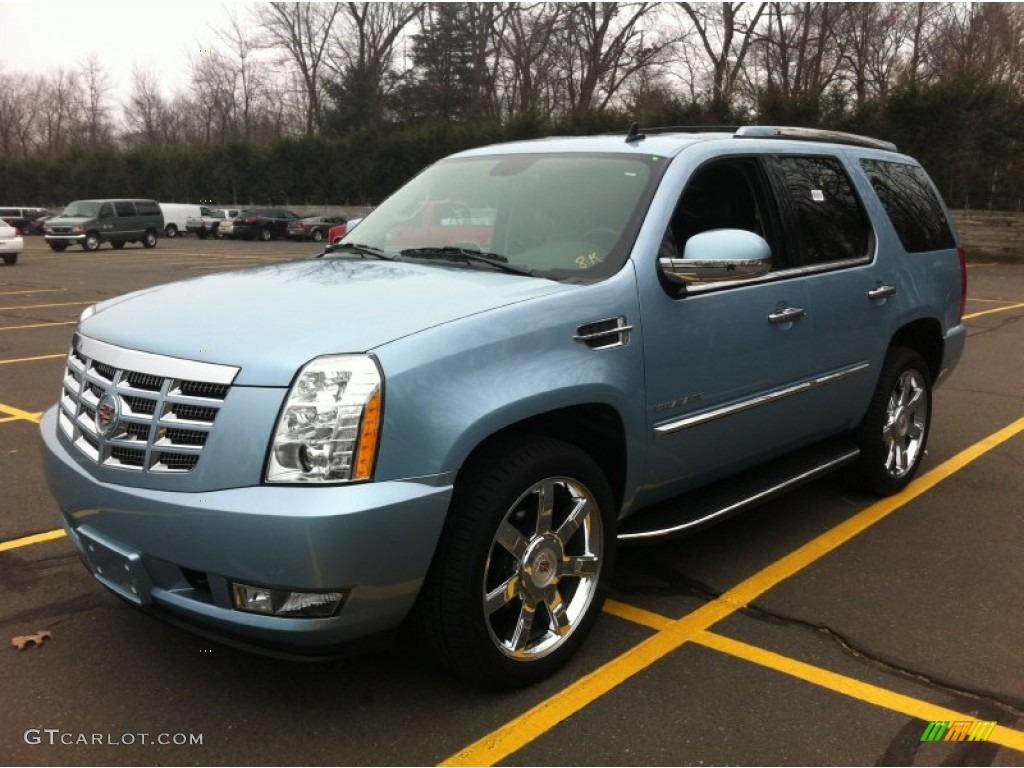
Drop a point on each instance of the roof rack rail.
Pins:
(812, 134)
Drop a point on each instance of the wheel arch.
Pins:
(924, 336)
(595, 428)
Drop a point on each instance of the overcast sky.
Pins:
(38, 36)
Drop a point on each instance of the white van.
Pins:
(176, 215)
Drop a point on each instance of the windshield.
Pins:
(87, 208)
(561, 216)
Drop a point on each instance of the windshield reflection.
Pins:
(560, 216)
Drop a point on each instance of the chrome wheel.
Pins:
(894, 432)
(543, 568)
(907, 423)
(522, 565)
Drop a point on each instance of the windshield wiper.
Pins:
(362, 250)
(452, 253)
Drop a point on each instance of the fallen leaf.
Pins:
(21, 642)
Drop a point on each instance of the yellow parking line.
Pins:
(36, 325)
(16, 413)
(34, 539)
(989, 301)
(31, 359)
(848, 686)
(992, 311)
(41, 306)
(533, 723)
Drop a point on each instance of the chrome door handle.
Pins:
(882, 292)
(787, 315)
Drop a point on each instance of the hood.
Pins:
(270, 320)
(66, 220)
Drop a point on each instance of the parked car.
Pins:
(38, 225)
(314, 228)
(208, 221)
(90, 223)
(20, 217)
(11, 243)
(258, 223)
(338, 231)
(664, 329)
(176, 216)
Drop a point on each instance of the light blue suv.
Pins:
(527, 354)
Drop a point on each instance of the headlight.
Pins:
(327, 431)
(87, 313)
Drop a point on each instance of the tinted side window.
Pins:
(147, 207)
(831, 222)
(10, 212)
(909, 199)
(124, 208)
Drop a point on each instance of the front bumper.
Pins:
(77, 239)
(178, 553)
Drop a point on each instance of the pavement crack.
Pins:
(670, 581)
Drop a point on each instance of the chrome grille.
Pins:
(165, 411)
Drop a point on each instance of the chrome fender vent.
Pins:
(604, 334)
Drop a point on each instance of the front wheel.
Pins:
(520, 573)
(10, 259)
(317, 235)
(149, 239)
(894, 432)
(171, 230)
(58, 247)
(91, 242)
(264, 235)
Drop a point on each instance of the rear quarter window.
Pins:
(831, 223)
(147, 207)
(912, 205)
(124, 208)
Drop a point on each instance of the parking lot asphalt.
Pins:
(825, 627)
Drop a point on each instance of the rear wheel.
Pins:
(10, 259)
(202, 234)
(58, 247)
(264, 234)
(149, 239)
(521, 569)
(894, 432)
(317, 235)
(91, 242)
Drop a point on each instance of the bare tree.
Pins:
(303, 30)
(362, 54)
(528, 59)
(725, 32)
(603, 46)
(20, 98)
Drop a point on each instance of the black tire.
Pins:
(91, 242)
(171, 230)
(317, 235)
(118, 244)
(264, 234)
(10, 259)
(58, 247)
(488, 614)
(202, 234)
(894, 432)
(149, 239)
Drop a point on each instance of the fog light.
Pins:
(282, 602)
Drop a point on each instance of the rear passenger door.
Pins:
(850, 291)
(127, 221)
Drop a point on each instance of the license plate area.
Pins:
(117, 568)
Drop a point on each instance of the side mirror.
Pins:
(721, 255)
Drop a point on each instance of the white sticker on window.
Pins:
(817, 196)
